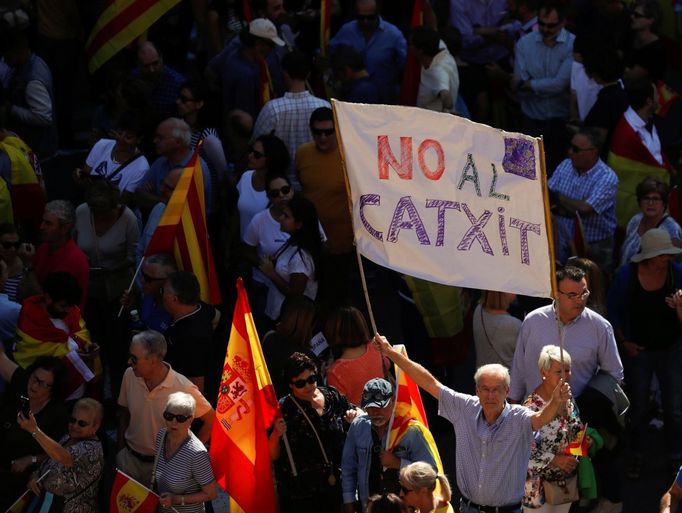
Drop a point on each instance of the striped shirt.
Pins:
(185, 472)
(491, 459)
(12, 285)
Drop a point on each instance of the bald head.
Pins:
(149, 59)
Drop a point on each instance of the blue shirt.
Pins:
(239, 80)
(384, 53)
(357, 457)
(9, 314)
(492, 459)
(467, 14)
(161, 167)
(165, 92)
(548, 68)
(597, 187)
(154, 316)
(588, 339)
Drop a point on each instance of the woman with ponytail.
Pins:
(418, 489)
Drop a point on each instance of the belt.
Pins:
(491, 509)
(142, 457)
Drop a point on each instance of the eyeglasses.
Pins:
(149, 279)
(300, 383)
(405, 490)
(651, 199)
(487, 390)
(185, 99)
(9, 245)
(366, 17)
(322, 131)
(180, 418)
(576, 149)
(573, 295)
(256, 154)
(282, 191)
(41, 382)
(81, 423)
(548, 25)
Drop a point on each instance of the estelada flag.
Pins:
(578, 447)
(119, 24)
(246, 408)
(182, 231)
(409, 413)
(412, 71)
(129, 496)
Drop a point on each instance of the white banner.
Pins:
(444, 199)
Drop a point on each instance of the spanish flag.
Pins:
(129, 496)
(325, 25)
(246, 408)
(412, 71)
(182, 231)
(119, 24)
(409, 413)
(578, 447)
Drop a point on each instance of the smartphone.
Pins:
(25, 406)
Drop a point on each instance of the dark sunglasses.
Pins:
(282, 191)
(149, 279)
(256, 154)
(405, 490)
(575, 149)
(185, 99)
(180, 418)
(326, 131)
(300, 383)
(81, 423)
(10, 245)
(548, 25)
(366, 17)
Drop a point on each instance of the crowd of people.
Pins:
(91, 346)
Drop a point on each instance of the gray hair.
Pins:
(181, 131)
(495, 369)
(164, 260)
(182, 403)
(549, 354)
(91, 405)
(63, 210)
(153, 343)
(422, 475)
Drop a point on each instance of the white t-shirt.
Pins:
(586, 89)
(291, 261)
(103, 165)
(250, 201)
(441, 75)
(266, 235)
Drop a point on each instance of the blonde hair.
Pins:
(495, 300)
(549, 354)
(91, 405)
(422, 475)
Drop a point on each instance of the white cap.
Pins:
(264, 28)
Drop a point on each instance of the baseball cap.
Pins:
(377, 393)
(264, 28)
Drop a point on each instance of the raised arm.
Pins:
(560, 395)
(419, 374)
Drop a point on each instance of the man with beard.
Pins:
(50, 324)
(164, 81)
(366, 467)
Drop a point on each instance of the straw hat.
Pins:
(653, 243)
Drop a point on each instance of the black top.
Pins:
(190, 341)
(651, 57)
(654, 324)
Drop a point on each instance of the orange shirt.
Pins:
(349, 376)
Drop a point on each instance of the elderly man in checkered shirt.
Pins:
(584, 187)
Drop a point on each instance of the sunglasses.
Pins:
(180, 418)
(81, 423)
(576, 149)
(185, 99)
(300, 383)
(10, 245)
(366, 17)
(149, 279)
(256, 154)
(548, 25)
(282, 191)
(322, 131)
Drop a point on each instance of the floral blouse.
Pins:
(551, 439)
(80, 483)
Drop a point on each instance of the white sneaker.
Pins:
(606, 506)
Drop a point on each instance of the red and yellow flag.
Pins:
(246, 408)
(182, 231)
(578, 447)
(265, 88)
(119, 24)
(409, 413)
(325, 25)
(666, 98)
(129, 496)
(412, 71)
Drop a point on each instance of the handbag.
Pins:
(562, 491)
